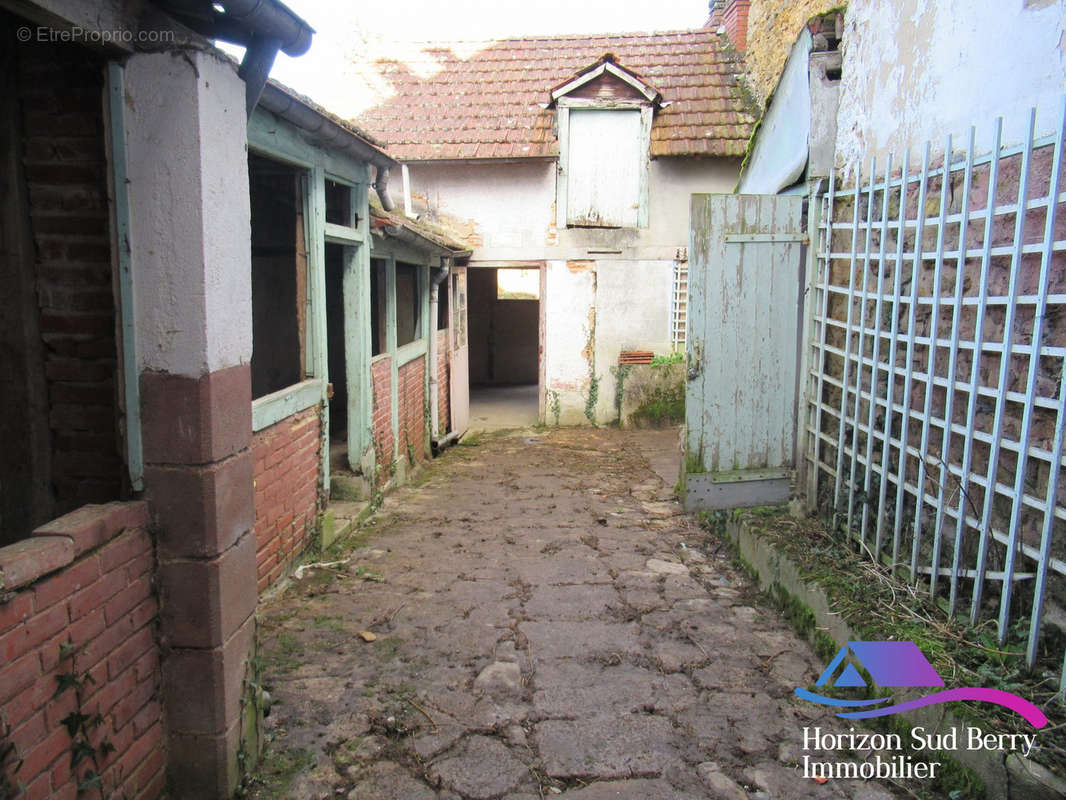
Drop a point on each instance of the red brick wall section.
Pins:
(384, 446)
(735, 21)
(412, 401)
(61, 91)
(288, 479)
(85, 578)
(444, 387)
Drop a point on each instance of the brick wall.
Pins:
(384, 446)
(444, 366)
(61, 93)
(412, 411)
(84, 578)
(288, 472)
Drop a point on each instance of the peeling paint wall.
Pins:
(916, 70)
(643, 289)
(621, 278)
(573, 293)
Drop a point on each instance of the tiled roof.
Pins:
(490, 105)
(385, 222)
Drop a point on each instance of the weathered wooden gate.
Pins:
(745, 273)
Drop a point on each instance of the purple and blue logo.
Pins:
(899, 664)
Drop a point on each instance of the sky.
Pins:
(352, 34)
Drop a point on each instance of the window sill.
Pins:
(410, 351)
(271, 409)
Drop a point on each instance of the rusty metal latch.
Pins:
(695, 361)
(329, 391)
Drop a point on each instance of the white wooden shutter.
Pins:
(603, 168)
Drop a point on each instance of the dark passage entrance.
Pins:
(504, 320)
(338, 376)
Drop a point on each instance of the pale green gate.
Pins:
(745, 276)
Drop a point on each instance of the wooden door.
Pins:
(744, 281)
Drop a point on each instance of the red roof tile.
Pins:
(490, 105)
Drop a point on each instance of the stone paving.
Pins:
(545, 622)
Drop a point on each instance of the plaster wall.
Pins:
(506, 211)
(779, 156)
(593, 307)
(189, 212)
(569, 328)
(917, 70)
(633, 305)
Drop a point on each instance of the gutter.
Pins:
(330, 134)
(263, 27)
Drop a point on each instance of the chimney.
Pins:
(734, 15)
(714, 14)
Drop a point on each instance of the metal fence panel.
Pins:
(937, 373)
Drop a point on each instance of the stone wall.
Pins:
(773, 26)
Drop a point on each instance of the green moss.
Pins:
(279, 768)
(877, 606)
(666, 406)
(621, 372)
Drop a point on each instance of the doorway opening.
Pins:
(504, 319)
(338, 366)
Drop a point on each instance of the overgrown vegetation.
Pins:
(555, 405)
(85, 755)
(670, 358)
(879, 606)
(9, 763)
(665, 406)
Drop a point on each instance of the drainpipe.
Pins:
(263, 26)
(381, 186)
(434, 386)
(255, 68)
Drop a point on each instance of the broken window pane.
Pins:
(408, 304)
(378, 313)
(339, 204)
(279, 275)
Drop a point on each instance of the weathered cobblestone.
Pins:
(540, 631)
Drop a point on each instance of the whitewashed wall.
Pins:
(916, 70)
(507, 211)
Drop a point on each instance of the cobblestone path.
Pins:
(546, 623)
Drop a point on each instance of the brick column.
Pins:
(188, 177)
(735, 21)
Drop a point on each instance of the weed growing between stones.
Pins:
(879, 606)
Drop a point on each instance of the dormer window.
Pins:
(604, 118)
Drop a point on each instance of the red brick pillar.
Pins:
(190, 248)
(735, 21)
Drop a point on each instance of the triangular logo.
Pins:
(850, 677)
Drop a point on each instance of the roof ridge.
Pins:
(560, 36)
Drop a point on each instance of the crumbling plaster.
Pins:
(605, 290)
(189, 212)
(918, 70)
